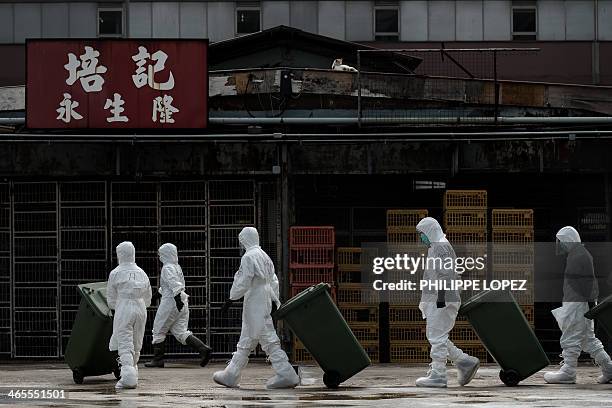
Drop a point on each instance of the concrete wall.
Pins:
(420, 20)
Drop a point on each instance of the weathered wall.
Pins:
(142, 159)
(437, 157)
(161, 159)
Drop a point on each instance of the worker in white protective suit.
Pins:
(577, 334)
(256, 281)
(173, 311)
(128, 292)
(440, 310)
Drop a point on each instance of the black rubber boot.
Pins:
(200, 347)
(158, 355)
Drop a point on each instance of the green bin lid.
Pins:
(300, 299)
(95, 295)
(604, 304)
(486, 297)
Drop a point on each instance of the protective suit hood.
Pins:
(126, 253)
(248, 238)
(430, 227)
(568, 234)
(168, 254)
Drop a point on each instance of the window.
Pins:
(110, 22)
(248, 18)
(386, 23)
(524, 23)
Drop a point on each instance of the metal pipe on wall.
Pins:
(315, 138)
(282, 137)
(414, 120)
(386, 121)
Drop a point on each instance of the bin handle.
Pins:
(110, 312)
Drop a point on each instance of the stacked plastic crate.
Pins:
(311, 261)
(407, 341)
(513, 252)
(35, 283)
(83, 245)
(231, 208)
(135, 218)
(362, 318)
(182, 222)
(5, 271)
(465, 225)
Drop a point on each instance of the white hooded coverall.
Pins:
(577, 333)
(439, 321)
(256, 281)
(171, 283)
(128, 292)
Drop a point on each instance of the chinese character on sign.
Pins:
(164, 108)
(67, 109)
(116, 108)
(144, 76)
(89, 72)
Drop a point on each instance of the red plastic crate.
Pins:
(300, 237)
(311, 276)
(311, 257)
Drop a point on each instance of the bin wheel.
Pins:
(117, 373)
(77, 376)
(331, 379)
(509, 377)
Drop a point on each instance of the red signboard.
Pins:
(117, 84)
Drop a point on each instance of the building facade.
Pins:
(406, 21)
(560, 28)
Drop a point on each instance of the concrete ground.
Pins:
(185, 384)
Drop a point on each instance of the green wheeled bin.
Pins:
(317, 322)
(603, 314)
(501, 325)
(87, 352)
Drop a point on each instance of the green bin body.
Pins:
(87, 351)
(317, 322)
(603, 314)
(501, 325)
